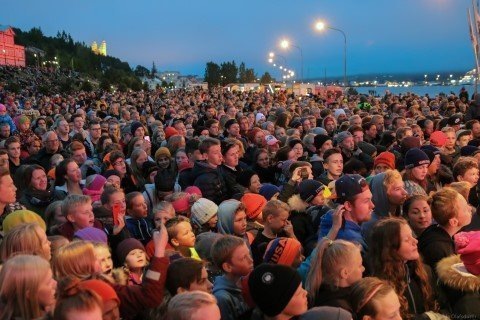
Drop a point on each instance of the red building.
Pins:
(10, 53)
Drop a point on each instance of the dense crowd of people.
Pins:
(238, 205)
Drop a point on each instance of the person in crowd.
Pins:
(418, 213)
(38, 195)
(394, 257)
(195, 305)
(24, 234)
(451, 213)
(27, 288)
(232, 256)
(138, 223)
(132, 258)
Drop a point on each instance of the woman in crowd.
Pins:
(38, 194)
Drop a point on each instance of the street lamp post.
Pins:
(285, 44)
(320, 26)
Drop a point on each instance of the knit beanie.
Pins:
(367, 148)
(438, 139)
(386, 158)
(181, 204)
(91, 234)
(415, 158)
(469, 151)
(282, 251)
(204, 242)
(268, 190)
(467, 244)
(2, 108)
(244, 178)
(202, 211)
(308, 189)
(18, 217)
(430, 151)
(103, 289)
(339, 112)
(254, 204)
(320, 139)
(95, 182)
(194, 191)
(170, 132)
(134, 126)
(124, 248)
(318, 131)
(272, 286)
(162, 152)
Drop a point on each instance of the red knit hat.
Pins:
(103, 289)
(170, 132)
(438, 139)
(254, 204)
(386, 158)
(467, 244)
(182, 204)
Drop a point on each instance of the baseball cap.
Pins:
(271, 140)
(349, 185)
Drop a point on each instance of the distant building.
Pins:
(169, 76)
(11, 54)
(101, 50)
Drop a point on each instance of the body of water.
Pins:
(419, 90)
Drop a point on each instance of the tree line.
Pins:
(228, 72)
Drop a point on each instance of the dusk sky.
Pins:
(382, 36)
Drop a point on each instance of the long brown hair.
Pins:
(408, 175)
(388, 265)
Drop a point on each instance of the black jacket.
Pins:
(209, 181)
(334, 297)
(434, 244)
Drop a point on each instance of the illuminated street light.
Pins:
(320, 26)
(271, 54)
(285, 44)
(270, 60)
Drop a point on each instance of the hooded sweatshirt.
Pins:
(229, 298)
(382, 205)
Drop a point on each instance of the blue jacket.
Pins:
(229, 299)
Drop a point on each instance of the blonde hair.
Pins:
(391, 176)
(444, 205)
(462, 187)
(448, 129)
(22, 239)
(273, 207)
(326, 264)
(183, 305)
(21, 277)
(75, 259)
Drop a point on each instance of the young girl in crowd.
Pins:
(27, 288)
(416, 169)
(395, 258)
(336, 267)
(132, 258)
(104, 259)
(375, 299)
(25, 238)
(78, 303)
(417, 212)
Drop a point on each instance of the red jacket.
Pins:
(136, 298)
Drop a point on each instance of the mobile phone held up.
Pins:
(116, 210)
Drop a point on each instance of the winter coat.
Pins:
(230, 177)
(149, 294)
(210, 181)
(434, 244)
(334, 297)
(461, 287)
(229, 299)
(317, 166)
(302, 222)
(36, 201)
